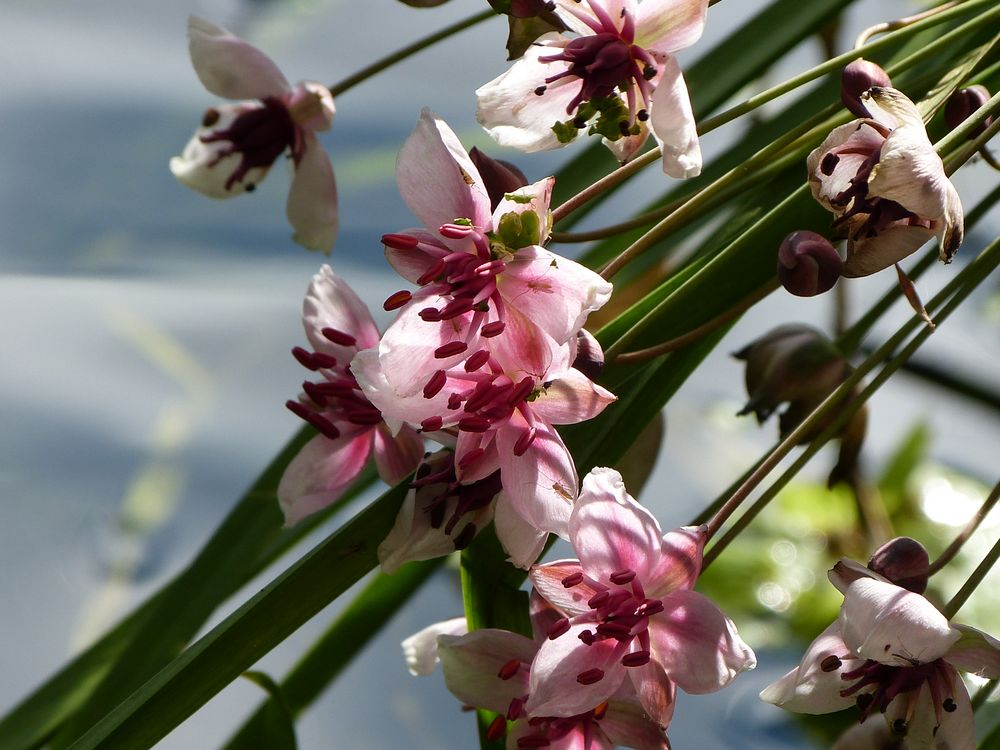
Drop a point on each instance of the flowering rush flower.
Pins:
(617, 69)
(236, 144)
(891, 651)
(885, 183)
(628, 612)
(486, 284)
(338, 324)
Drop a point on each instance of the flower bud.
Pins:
(857, 77)
(499, 177)
(589, 355)
(808, 264)
(903, 561)
(962, 103)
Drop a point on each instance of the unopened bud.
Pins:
(499, 177)
(857, 77)
(962, 104)
(808, 264)
(589, 355)
(904, 561)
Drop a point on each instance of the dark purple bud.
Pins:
(808, 264)
(962, 104)
(589, 355)
(499, 177)
(904, 561)
(856, 78)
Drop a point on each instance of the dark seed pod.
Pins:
(499, 177)
(857, 77)
(904, 561)
(962, 104)
(808, 264)
(589, 355)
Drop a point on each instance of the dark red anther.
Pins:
(521, 391)
(435, 384)
(455, 231)
(524, 441)
(614, 629)
(430, 315)
(397, 300)
(622, 577)
(339, 337)
(450, 349)
(313, 392)
(533, 740)
(454, 401)
(474, 424)
(304, 358)
(558, 628)
(433, 271)
(321, 423)
(497, 729)
(477, 360)
(573, 579)
(464, 538)
(509, 669)
(515, 710)
(599, 599)
(649, 609)
(431, 424)
(324, 361)
(492, 329)
(635, 659)
(587, 637)
(590, 676)
(831, 663)
(367, 417)
(400, 241)
(456, 307)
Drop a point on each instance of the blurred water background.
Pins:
(146, 333)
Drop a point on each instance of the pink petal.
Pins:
(437, 179)
(893, 626)
(229, 67)
(397, 457)
(872, 254)
(670, 25)
(975, 652)
(510, 110)
(627, 725)
(331, 303)
(572, 398)
(522, 542)
(486, 465)
(553, 687)
(852, 142)
(847, 571)
(610, 531)
(672, 124)
(570, 11)
(471, 663)
(556, 293)
(535, 198)
(320, 473)
(420, 650)
(312, 199)
(696, 644)
(411, 264)
(809, 689)
(577, 738)
(311, 106)
(628, 146)
(547, 580)
(396, 410)
(656, 692)
(679, 562)
(525, 349)
(541, 484)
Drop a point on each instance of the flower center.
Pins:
(877, 685)
(438, 487)
(620, 612)
(259, 135)
(337, 398)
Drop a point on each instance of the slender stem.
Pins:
(983, 693)
(644, 355)
(610, 180)
(974, 580)
(881, 28)
(989, 158)
(399, 55)
(949, 554)
(948, 298)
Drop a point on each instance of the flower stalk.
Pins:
(952, 549)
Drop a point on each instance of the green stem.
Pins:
(882, 28)
(952, 607)
(949, 554)
(983, 693)
(399, 55)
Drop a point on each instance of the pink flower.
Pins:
(619, 67)
(504, 420)
(891, 651)
(885, 183)
(236, 144)
(486, 283)
(338, 324)
(629, 614)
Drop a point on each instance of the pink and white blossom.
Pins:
(628, 612)
(338, 325)
(236, 144)
(616, 64)
(885, 183)
(891, 652)
(486, 282)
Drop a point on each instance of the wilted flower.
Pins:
(338, 324)
(886, 185)
(963, 103)
(628, 612)
(857, 77)
(236, 144)
(891, 652)
(617, 71)
(808, 264)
